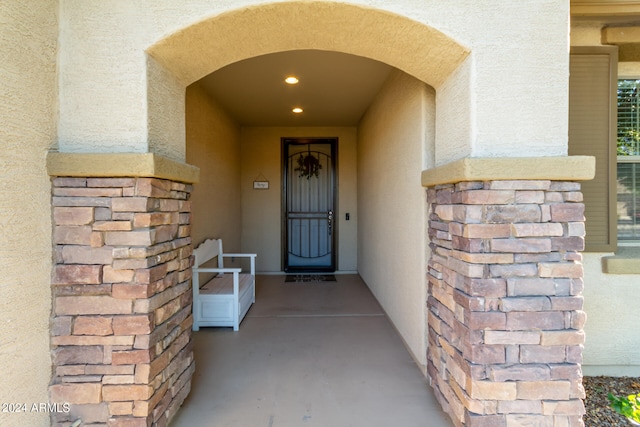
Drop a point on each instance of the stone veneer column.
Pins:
(505, 308)
(121, 326)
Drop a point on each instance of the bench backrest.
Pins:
(208, 250)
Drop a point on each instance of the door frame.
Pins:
(285, 142)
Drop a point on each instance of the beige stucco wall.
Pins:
(28, 114)
(612, 341)
(261, 209)
(213, 145)
(585, 34)
(392, 137)
(113, 99)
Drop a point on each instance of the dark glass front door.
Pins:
(309, 188)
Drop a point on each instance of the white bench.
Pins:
(225, 297)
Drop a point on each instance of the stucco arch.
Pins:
(206, 46)
(203, 47)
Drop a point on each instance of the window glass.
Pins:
(628, 150)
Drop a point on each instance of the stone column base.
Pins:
(121, 325)
(505, 308)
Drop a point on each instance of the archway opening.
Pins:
(382, 138)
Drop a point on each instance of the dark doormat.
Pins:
(301, 278)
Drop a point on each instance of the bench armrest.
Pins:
(251, 256)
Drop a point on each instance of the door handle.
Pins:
(330, 220)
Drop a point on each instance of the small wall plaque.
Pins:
(261, 182)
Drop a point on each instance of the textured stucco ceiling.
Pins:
(335, 89)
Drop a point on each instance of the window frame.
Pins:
(624, 159)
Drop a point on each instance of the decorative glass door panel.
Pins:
(309, 183)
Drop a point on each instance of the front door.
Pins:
(309, 203)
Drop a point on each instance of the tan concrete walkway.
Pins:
(308, 354)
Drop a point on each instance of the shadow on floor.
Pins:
(308, 354)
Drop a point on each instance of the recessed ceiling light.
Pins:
(291, 80)
(297, 110)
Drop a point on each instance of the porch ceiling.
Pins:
(335, 89)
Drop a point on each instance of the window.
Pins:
(612, 199)
(628, 162)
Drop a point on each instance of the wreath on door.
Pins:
(308, 166)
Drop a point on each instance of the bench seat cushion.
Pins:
(223, 284)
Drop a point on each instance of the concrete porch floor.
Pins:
(308, 354)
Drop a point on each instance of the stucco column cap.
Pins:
(566, 168)
(105, 165)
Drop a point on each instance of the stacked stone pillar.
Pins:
(505, 308)
(121, 325)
